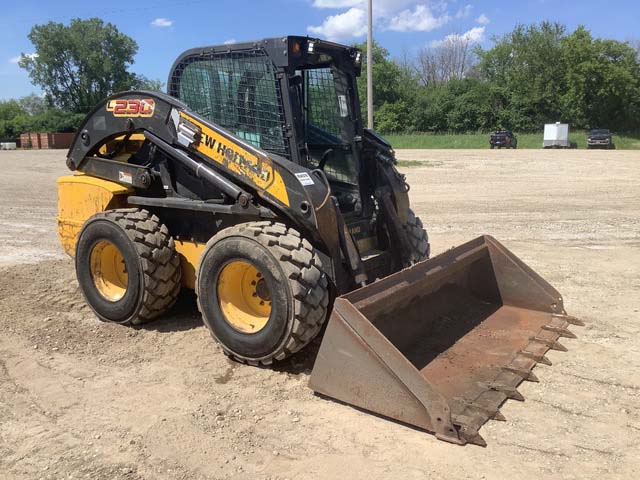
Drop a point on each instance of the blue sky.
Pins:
(164, 28)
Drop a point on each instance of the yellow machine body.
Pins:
(81, 196)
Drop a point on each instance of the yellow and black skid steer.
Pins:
(253, 182)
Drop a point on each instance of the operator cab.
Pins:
(293, 97)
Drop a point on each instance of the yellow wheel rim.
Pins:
(108, 271)
(244, 297)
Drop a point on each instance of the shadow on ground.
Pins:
(183, 316)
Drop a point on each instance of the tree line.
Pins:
(535, 74)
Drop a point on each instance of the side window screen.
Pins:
(323, 110)
(240, 93)
(325, 113)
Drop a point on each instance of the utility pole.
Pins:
(370, 68)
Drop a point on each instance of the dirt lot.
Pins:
(84, 399)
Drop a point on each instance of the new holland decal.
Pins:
(255, 170)
(131, 107)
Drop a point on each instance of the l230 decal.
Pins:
(131, 107)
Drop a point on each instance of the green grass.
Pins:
(481, 140)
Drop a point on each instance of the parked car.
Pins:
(503, 138)
(600, 138)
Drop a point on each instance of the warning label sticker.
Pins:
(305, 178)
(125, 177)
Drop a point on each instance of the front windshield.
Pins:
(599, 132)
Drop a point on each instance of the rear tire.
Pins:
(418, 240)
(292, 300)
(127, 266)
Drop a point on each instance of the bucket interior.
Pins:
(452, 322)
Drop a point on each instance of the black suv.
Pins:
(503, 138)
(600, 138)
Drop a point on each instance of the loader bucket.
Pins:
(442, 344)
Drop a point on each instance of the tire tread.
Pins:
(158, 258)
(309, 285)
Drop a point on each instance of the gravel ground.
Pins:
(84, 399)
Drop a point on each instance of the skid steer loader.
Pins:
(254, 182)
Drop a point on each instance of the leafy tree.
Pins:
(28, 115)
(80, 64)
(33, 104)
(392, 117)
(55, 120)
(144, 83)
(471, 106)
(429, 110)
(10, 110)
(395, 85)
(602, 82)
(386, 78)
(527, 64)
(544, 75)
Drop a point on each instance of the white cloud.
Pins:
(230, 41)
(162, 22)
(336, 3)
(475, 35)
(397, 15)
(15, 59)
(483, 19)
(352, 23)
(421, 19)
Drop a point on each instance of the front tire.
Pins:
(127, 266)
(262, 291)
(418, 240)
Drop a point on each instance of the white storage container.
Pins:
(556, 135)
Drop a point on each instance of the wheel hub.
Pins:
(244, 296)
(108, 271)
(263, 291)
